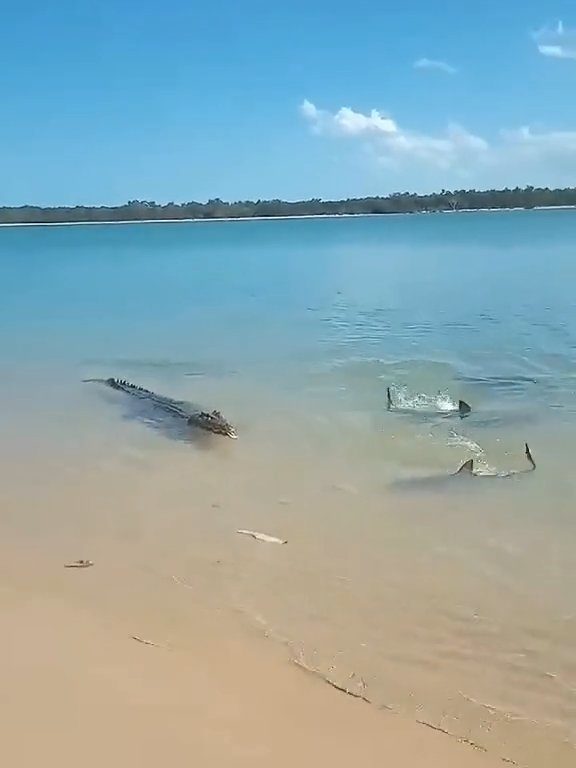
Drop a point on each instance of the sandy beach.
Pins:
(287, 480)
(453, 605)
(78, 688)
(291, 217)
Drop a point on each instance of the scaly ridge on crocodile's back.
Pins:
(210, 421)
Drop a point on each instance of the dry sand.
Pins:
(77, 689)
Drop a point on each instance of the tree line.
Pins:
(400, 202)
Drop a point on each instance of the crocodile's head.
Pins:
(213, 422)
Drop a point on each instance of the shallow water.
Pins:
(453, 602)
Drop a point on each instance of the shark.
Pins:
(462, 476)
(463, 408)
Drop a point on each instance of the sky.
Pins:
(105, 101)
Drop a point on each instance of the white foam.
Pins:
(481, 466)
(438, 403)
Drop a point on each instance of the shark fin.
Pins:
(388, 398)
(529, 456)
(466, 468)
(463, 408)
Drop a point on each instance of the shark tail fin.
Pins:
(466, 468)
(529, 456)
(463, 408)
(388, 398)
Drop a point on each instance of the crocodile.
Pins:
(209, 421)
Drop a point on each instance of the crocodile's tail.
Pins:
(111, 382)
(117, 384)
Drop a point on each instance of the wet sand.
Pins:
(413, 595)
(78, 689)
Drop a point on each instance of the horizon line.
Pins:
(261, 201)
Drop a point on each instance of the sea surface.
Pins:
(452, 602)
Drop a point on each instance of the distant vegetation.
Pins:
(138, 210)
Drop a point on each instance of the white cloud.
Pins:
(558, 43)
(529, 144)
(346, 122)
(392, 143)
(308, 109)
(520, 155)
(440, 66)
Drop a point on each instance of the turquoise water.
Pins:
(326, 311)
(294, 329)
(489, 295)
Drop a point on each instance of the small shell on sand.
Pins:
(79, 564)
(263, 537)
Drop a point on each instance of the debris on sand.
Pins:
(263, 537)
(79, 564)
(182, 583)
(146, 642)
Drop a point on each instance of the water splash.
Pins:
(474, 449)
(441, 402)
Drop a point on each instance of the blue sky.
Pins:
(108, 101)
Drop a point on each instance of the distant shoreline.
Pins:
(207, 219)
(149, 211)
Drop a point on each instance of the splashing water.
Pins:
(481, 465)
(405, 400)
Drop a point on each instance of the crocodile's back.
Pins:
(168, 404)
(209, 421)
